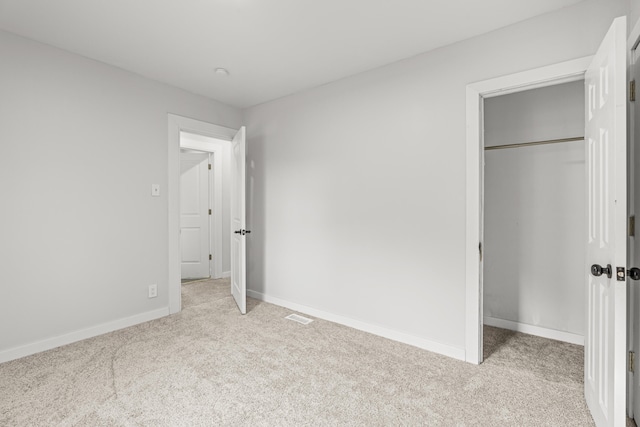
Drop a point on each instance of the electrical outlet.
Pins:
(153, 291)
(155, 190)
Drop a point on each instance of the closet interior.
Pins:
(534, 212)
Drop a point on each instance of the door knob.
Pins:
(597, 270)
(634, 273)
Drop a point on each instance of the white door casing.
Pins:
(194, 216)
(476, 93)
(606, 161)
(238, 221)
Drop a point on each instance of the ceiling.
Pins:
(271, 48)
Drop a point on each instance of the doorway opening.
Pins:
(534, 217)
(199, 136)
(568, 72)
(204, 207)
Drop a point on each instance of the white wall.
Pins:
(534, 259)
(80, 145)
(225, 153)
(634, 12)
(535, 115)
(358, 201)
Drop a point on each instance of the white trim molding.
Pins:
(83, 334)
(538, 331)
(179, 124)
(435, 347)
(476, 92)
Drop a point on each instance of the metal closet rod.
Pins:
(527, 144)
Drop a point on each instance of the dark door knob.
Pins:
(597, 270)
(634, 273)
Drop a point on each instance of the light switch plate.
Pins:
(155, 190)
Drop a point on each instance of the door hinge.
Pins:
(632, 226)
(210, 257)
(209, 166)
(209, 211)
(480, 249)
(632, 361)
(632, 90)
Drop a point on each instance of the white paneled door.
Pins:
(634, 287)
(194, 215)
(606, 137)
(238, 222)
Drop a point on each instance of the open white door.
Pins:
(634, 190)
(194, 216)
(238, 222)
(606, 136)
(633, 43)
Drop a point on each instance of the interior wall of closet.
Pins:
(534, 211)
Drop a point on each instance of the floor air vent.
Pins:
(299, 319)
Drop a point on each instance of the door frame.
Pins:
(177, 124)
(633, 57)
(563, 72)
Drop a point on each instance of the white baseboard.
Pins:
(225, 274)
(49, 343)
(435, 347)
(535, 330)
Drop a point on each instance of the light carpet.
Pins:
(210, 366)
